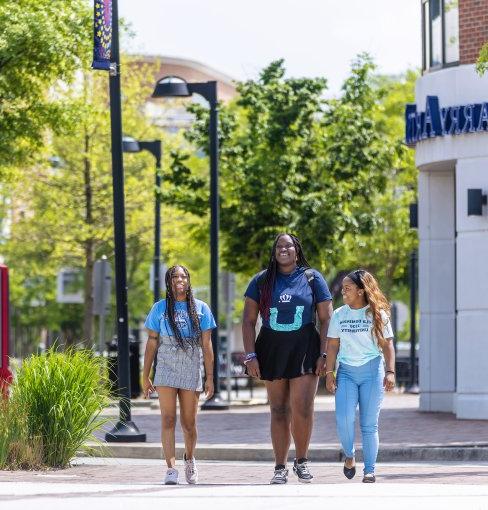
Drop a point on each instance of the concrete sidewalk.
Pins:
(119, 484)
(242, 434)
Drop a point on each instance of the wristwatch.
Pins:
(323, 355)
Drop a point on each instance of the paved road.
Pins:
(121, 484)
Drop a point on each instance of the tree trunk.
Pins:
(89, 243)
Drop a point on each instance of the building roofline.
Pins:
(198, 66)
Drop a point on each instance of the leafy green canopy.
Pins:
(385, 250)
(291, 161)
(62, 215)
(41, 42)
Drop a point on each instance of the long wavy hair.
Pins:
(376, 300)
(270, 278)
(194, 326)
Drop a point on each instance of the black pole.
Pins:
(413, 322)
(157, 245)
(125, 430)
(216, 402)
(157, 234)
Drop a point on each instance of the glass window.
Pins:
(451, 20)
(436, 33)
(426, 19)
(440, 44)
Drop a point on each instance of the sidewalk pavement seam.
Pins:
(317, 452)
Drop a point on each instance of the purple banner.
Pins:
(102, 34)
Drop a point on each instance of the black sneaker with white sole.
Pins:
(280, 476)
(369, 478)
(300, 468)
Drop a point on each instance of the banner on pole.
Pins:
(102, 34)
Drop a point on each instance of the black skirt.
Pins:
(287, 354)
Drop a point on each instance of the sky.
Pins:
(315, 37)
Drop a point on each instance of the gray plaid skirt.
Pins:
(178, 368)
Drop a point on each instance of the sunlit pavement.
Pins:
(127, 483)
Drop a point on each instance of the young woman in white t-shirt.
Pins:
(359, 336)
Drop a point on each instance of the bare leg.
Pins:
(188, 414)
(279, 400)
(302, 395)
(167, 404)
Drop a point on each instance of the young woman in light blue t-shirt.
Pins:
(359, 336)
(179, 329)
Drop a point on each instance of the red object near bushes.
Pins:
(5, 373)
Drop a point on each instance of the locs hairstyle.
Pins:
(182, 342)
(267, 290)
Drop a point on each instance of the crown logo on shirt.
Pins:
(285, 298)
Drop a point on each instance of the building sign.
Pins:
(70, 286)
(449, 120)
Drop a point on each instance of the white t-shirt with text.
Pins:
(354, 327)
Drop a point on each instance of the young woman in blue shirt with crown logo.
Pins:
(289, 352)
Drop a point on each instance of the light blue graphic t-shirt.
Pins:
(291, 300)
(354, 327)
(158, 320)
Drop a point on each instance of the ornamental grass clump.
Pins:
(62, 395)
(16, 450)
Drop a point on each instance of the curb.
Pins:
(264, 453)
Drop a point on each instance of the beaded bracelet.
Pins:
(250, 356)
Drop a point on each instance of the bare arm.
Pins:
(324, 312)
(149, 353)
(208, 362)
(249, 319)
(333, 345)
(389, 354)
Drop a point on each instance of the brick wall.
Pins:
(473, 29)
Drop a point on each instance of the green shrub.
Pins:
(62, 395)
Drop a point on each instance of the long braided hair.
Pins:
(194, 326)
(378, 304)
(267, 289)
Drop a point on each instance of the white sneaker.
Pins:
(280, 476)
(171, 477)
(191, 472)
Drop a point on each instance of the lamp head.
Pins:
(171, 86)
(130, 144)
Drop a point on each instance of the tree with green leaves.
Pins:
(291, 161)
(68, 219)
(41, 43)
(385, 250)
(62, 213)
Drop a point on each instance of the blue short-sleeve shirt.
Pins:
(292, 299)
(158, 321)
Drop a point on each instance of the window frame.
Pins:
(427, 66)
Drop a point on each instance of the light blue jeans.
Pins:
(361, 385)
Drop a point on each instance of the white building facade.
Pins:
(448, 126)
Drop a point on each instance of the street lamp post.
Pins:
(413, 388)
(177, 87)
(125, 430)
(155, 148)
